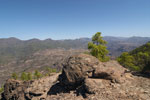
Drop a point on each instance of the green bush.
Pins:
(14, 76)
(137, 59)
(24, 76)
(37, 74)
(29, 76)
(51, 70)
(1, 89)
(98, 47)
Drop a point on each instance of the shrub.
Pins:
(29, 76)
(51, 70)
(1, 89)
(37, 74)
(14, 76)
(24, 76)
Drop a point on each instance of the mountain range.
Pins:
(13, 48)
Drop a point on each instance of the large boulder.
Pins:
(76, 68)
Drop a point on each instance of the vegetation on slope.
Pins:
(14, 49)
(26, 76)
(137, 59)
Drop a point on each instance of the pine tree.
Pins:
(98, 47)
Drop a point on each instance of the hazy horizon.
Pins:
(71, 38)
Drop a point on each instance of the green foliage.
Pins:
(29, 76)
(138, 59)
(14, 76)
(24, 76)
(127, 61)
(98, 47)
(1, 89)
(37, 74)
(51, 70)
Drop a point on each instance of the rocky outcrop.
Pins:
(83, 77)
(14, 90)
(28, 90)
(79, 67)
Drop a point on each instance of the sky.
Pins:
(70, 19)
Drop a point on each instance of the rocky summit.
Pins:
(83, 77)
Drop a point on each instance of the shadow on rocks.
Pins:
(57, 88)
(141, 74)
(81, 91)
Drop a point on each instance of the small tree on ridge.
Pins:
(98, 47)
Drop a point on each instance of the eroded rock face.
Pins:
(28, 90)
(14, 90)
(77, 68)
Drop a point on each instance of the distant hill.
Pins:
(13, 48)
(117, 45)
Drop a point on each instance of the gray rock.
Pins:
(77, 68)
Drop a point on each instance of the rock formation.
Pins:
(83, 77)
(28, 90)
(79, 67)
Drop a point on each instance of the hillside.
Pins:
(39, 60)
(14, 49)
(137, 59)
(117, 45)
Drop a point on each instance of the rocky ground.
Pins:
(83, 77)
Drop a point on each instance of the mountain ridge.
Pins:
(13, 48)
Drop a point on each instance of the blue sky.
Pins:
(69, 19)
